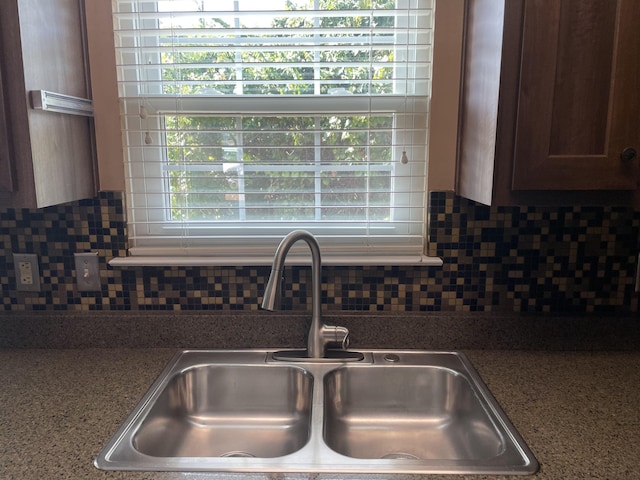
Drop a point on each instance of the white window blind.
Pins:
(246, 119)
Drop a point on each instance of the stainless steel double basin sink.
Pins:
(390, 412)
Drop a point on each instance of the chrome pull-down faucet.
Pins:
(320, 335)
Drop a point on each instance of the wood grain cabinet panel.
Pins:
(51, 155)
(558, 115)
(6, 170)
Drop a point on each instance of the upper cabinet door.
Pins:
(46, 157)
(578, 116)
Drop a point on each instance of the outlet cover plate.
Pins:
(87, 271)
(27, 272)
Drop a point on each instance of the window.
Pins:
(246, 119)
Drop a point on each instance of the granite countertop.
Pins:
(578, 411)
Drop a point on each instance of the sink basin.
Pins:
(379, 411)
(407, 413)
(229, 410)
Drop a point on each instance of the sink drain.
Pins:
(400, 456)
(238, 454)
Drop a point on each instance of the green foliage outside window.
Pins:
(293, 167)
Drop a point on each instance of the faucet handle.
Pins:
(338, 335)
(346, 339)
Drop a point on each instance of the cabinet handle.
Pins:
(628, 154)
(60, 103)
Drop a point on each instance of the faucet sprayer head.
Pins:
(272, 294)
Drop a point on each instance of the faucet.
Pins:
(320, 335)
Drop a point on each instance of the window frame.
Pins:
(441, 168)
(154, 228)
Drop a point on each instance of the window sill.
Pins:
(256, 261)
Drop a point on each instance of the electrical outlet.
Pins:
(27, 272)
(87, 272)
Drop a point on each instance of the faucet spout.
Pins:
(320, 335)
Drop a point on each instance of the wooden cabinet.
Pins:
(46, 158)
(551, 102)
(6, 171)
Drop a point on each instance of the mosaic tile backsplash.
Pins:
(508, 259)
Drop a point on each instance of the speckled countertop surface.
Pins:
(578, 411)
(571, 386)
